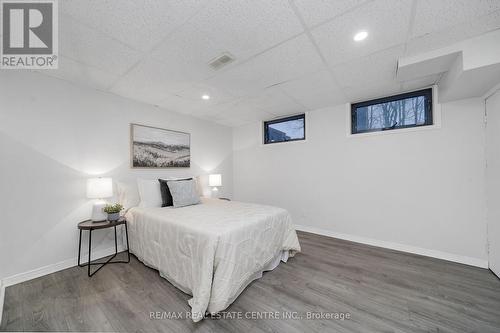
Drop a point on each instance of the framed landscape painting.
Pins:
(153, 147)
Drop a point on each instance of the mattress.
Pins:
(212, 250)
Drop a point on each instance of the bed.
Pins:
(212, 250)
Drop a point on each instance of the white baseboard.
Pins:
(52, 268)
(2, 296)
(396, 246)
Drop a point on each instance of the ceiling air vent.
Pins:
(221, 61)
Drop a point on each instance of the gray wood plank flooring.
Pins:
(382, 290)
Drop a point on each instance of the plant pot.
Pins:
(113, 217)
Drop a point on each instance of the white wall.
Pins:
(53, 136)
(493, 179)
(421, 191)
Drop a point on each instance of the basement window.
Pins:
(285, 129)
(407, 110)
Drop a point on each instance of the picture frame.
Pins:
(158, 148)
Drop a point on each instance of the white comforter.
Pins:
(212, 250)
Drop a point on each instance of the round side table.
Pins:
(90, 226)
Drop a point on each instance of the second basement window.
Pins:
(285, 129)
(400, 111)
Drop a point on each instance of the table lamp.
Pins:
(99, 188)
(215, 181)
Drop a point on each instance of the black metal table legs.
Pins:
(101, 264)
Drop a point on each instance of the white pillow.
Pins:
(199, 187)
(183, 192)
(149, 192)
(128, 195)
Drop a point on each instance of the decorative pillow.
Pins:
(128, 195)
(149, 192)
(183, 192)
(166, 197)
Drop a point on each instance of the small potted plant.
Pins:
(113, 211)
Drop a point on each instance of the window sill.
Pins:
(282, 142)
(395, 131)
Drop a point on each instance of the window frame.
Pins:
(429, 111)
(281, 120)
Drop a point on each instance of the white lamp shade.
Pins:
(99, 188)
(215, 180)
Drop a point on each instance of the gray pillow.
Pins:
(183, 192)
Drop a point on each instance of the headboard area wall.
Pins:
(54, 136)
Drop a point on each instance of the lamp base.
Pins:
(98, 214)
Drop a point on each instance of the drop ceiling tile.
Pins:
(152, 81)
(205, 117)
(232, 122)
(189, 102)
(275, 102)
(75, 72)
(217, 112)
(285, 62)
(95, 49)
(432, 15)
(314, 91)
(318, 11)
(178, 104)
(377, 68)
(372, 91)
(217, 95)
(186, 54)
(189, 51)
(242, 28)
(386, 22)
(140, 24)
(241, 110)
(454, 34)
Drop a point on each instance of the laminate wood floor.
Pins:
(382, 291)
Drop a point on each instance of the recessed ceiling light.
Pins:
(360, 36)
(205, 97)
